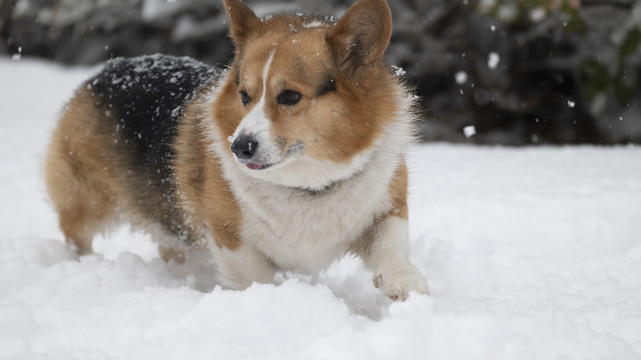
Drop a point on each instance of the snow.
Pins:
(156, 9)
(398, 71)
(460, 77)
(530, 253)
(537, 14)
(493, 60)
(469, 131)
(313, 24)
(17, 56)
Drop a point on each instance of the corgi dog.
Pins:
(289, 158)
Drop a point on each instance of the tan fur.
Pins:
(316, 121)
(80, 173)
(338, 182)
(201, 185)
(89, 178)
(398, 193)
(171, 254)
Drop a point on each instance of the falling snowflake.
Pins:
(469, 131)
(493, 60)
(460, 77)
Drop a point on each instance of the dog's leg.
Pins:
(79, 227)
(384, 246)
(170, 253)
(239, 268)
(385, 251)
(83, 205)
(80, 172)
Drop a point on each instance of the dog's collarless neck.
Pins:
(327, 188)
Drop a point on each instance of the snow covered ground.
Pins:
(530, 253)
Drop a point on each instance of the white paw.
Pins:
(398, 282)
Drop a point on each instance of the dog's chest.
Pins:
(304, 232)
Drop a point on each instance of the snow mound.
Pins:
(529, 253)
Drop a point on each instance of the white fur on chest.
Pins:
(304, 231)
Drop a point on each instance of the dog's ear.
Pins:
(242, 21)
(361, 36)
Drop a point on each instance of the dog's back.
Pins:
(113, 149)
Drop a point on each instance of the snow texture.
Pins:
(530, 253)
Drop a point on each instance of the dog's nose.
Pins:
(244, 147)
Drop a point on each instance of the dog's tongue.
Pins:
(254, 166)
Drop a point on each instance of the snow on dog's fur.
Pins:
(288, 159)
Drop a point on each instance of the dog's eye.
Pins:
(289, 97)
(244, 97)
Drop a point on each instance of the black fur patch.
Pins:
(145, 96)
(328, 85)
(144, 99)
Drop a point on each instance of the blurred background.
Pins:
(511, 72)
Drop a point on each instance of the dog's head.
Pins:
(306, 99)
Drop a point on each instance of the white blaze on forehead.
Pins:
(266, 71)
(257, 125)
(256, 121)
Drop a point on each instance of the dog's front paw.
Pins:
(399, 282)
